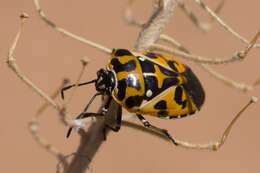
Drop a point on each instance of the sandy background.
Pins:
(46, 56)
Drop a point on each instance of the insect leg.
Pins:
(84, 114)
(148, 125)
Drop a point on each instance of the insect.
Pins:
(146, 83)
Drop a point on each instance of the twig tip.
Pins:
(24, 15)
(254, 99)
(85, 60)
(66, 81)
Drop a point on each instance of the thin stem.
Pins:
(241, 86)
(202, 26)
(195, 58)
(12, 64)
(222, 23)
(84, 64)
(11, 61)
(67, 33)
(33, 127)
(212, 146)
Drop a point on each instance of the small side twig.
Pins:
(223, 24)
(33, 127)
(84, 62)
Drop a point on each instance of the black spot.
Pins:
(184, 103)
(163, 113)
(178, 95)
(172, 65)
(118, 67)
(168, 82)
(133, 101)
(122, 52)
(167, 72)
(147, 66)
(121, 89)
(160, 105)
(129, 66)
(151, 55)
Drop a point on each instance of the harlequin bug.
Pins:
(146, 83)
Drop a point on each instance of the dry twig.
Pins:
(33, 127)
(153, 28)
(205, 27)
(223, 24)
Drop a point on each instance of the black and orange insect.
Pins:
(146, 83)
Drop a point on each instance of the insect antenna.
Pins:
(70, 86)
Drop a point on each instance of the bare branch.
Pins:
(153, 28)
(89, 145)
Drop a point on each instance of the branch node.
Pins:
(239, 55)
(85, 60)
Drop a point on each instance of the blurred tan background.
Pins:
(46, 56)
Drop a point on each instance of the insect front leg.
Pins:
(163, 131)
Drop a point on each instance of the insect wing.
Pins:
(113, 116)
